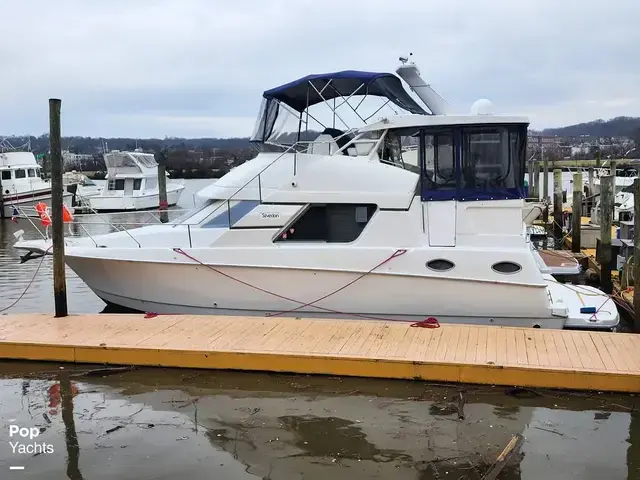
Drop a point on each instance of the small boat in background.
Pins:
(132, 183)
(22, 183)
(82, 188)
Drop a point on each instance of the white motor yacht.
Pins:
(22, 184)
(340, 228)
(132, 184)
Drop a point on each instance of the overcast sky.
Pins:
(198, 67)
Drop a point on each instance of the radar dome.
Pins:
(482, 107)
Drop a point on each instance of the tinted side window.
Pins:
(491, 158)
(338, 223)
(440, 169)
(226, 218)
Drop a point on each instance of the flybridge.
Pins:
(295, 98)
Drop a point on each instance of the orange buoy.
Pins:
(43, 212)
(66, 214)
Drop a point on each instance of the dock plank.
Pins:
(455, 353)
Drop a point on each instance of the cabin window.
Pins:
(137, 183)
(6, 175)
(439, 161)
(21, 173)
(475, 162)
(336, 223)
(31, 172)
(401, 149)
(490, 158)
(225, 217)
(116, 184)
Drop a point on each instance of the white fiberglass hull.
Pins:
(25, 203)
(102, 203)
(194, 289)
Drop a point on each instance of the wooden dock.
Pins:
(451, 353)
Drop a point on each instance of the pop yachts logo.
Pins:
(23, 441)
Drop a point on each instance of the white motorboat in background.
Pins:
(132, 183)
(22, 183)
(82, 188)
(340, 227)
(623, 201)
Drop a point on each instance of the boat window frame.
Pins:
(24, 172)
(326, 220)
(4, 177)
(224, 215)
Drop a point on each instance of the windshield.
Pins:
(192, 216)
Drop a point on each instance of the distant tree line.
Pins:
(615, 127)
(184, 157)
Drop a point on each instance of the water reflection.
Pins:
(633, 449)
(67, 392)
(164, 422)
(337, 438)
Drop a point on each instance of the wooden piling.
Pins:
(57, 228)
(557, 208)
(612, 167)
(591, 199)
(606, 221)
(162, 188)
(545, 186)
(576, 212)
(536, 181)
(636, 255)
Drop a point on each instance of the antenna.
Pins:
(404, 59)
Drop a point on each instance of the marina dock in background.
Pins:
(523, 357)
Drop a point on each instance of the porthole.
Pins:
(440, 265)
(506, 267)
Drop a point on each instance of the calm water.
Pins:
(167, 424)
(15, 277)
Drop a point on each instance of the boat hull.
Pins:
(179, 288)
(101, 203)
(25, 202)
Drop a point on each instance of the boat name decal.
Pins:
(270, 215)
